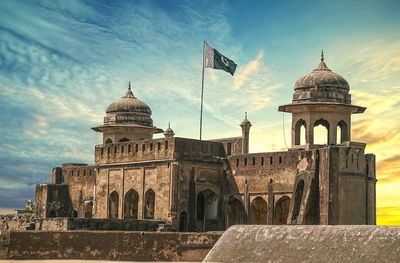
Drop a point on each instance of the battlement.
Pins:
(263, 163)
(157, 149)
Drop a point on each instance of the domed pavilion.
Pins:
(321, 97)
(127, 119)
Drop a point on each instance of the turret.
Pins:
(321, 98)
(245, 125)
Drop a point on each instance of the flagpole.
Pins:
(202, 91)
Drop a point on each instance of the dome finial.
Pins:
(129, 93)
(322, 65)
(245, 114)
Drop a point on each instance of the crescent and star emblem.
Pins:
(224, 61)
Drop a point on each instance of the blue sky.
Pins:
(63, 62)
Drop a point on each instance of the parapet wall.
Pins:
(119, 245)
(157, 149)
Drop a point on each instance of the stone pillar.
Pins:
(332, 133)
(310, 133)
(271, 203)
(246, 200)
(174, 176)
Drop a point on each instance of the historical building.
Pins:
(199, 185)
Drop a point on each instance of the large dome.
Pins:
(322, 85)
(128, 110)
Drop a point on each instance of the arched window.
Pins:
(131, 204)
(258, 211)
(254, 161)
(143, 147)
(124, 140)
(321, 132)
(113, 205)
(129, 148)
(342, 132)
(108, 141)
(282, 210)
(149, 202)
(237, 162)
(262, 160)
(270, 160)
(298, 199)
(158, 146)
(52, 213)
(300, 132)
(280, 159)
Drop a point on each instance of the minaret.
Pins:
(169, 133)
(245, 125)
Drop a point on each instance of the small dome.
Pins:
(322, 85)
(245, 122)
(128, 109)
(169, 133)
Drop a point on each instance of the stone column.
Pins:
(246, 200)
(173, 192)
(271, 203)
(332, 133)
(310, 132)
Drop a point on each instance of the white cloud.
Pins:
(248, 71)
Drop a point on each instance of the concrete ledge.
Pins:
(110, 245)
(307, 244)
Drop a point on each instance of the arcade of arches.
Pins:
(321, 132)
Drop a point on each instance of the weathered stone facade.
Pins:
(197, 185)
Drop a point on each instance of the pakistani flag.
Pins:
(214, 59)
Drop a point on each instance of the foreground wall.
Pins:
(120, 245)
(67, 223)
(307, 244)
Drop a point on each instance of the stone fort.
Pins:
(208, 185)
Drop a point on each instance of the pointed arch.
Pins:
(321, 134)
(282, 210)
(113, 204)
(236, 212)
(149, 202)
(108, 141)
(124, 140)
(300, 132)
(342, 132)
(207, 210)
(258, 211)
(131, 204)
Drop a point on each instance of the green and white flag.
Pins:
(214, 59)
